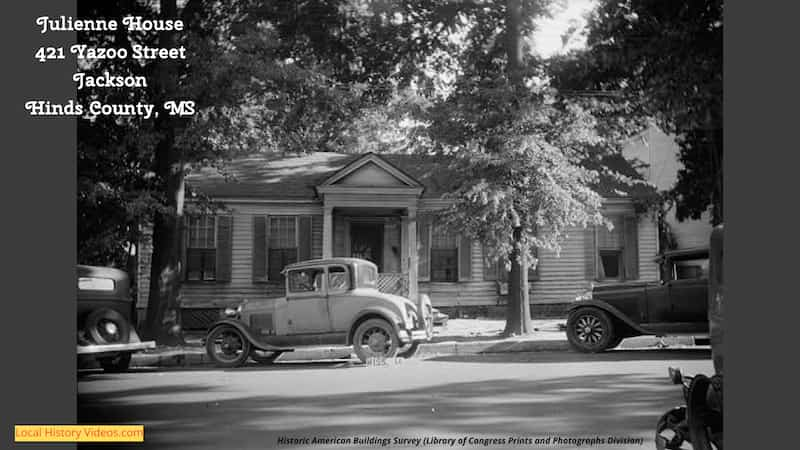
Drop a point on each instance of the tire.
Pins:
(375, 339)
(408, 351)
(227, 347)
(590, 330)
(107, 326)
(673, 421)
(263, 357)
(705, 424)
(115, 364)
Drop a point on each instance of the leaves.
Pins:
(662, 60)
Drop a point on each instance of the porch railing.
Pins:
(393, 283)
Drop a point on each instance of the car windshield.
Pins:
(367, 276)
(688, 269)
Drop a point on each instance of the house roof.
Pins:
(296, 177)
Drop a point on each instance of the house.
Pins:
(659, 152)
(378, 207)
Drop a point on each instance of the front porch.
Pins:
(384, 236)
(379, 235)
(370, 212)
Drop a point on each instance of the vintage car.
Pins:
(328, 302)
(699, 421)
(106, 313)
(600, 318)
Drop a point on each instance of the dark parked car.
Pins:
(700, 420)
(106, 313)
(602, 317)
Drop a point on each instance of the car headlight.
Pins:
(584, 296)
(232, 312)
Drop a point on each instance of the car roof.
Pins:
(684, 253)
(328, 261)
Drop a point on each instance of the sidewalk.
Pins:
(459, 337)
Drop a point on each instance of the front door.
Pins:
(366, 242)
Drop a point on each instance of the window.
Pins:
(282, 245)
(201, 249)
(444, 255)
(609, 250)
(305, 280)
(610, 263)
(691, 269)
(617, 250)
(338, 281)
(95, 284)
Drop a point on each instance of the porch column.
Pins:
(327, 232)
(411, 235)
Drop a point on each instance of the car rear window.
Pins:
(367, 276)
(95, 284)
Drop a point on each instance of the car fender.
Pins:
(610, 310)
(385, 313)
(247, 334)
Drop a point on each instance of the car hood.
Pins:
(600, 288)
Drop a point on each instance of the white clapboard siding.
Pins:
(648, 249)
(561, 277)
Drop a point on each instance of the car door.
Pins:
(689, 301)
(343, 305)
(688, 294)
(307, 301)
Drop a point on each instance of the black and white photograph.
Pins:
(375, 224)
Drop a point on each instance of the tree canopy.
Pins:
(661, 60)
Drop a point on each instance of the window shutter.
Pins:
(631, 249)
(590, 252)
(489, 267)
(224, 247)
(259, 248)
(304, 238)
(464, 259)
(424, 248)
(533, 272)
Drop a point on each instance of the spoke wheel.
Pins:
(227, 347)
(590, 330)
(375, 340)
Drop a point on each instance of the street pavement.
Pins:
(614, 398)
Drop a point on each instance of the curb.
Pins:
(196, 357)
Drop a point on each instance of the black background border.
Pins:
(38, 227)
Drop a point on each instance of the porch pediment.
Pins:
(370, 171)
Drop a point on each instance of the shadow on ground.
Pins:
(566, 357)
(590, 405)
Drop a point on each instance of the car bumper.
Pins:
(115, 348)
(407, 336)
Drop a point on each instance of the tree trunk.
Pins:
(165, 270)
(518, 312)
(514, 43)
(715, 149)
